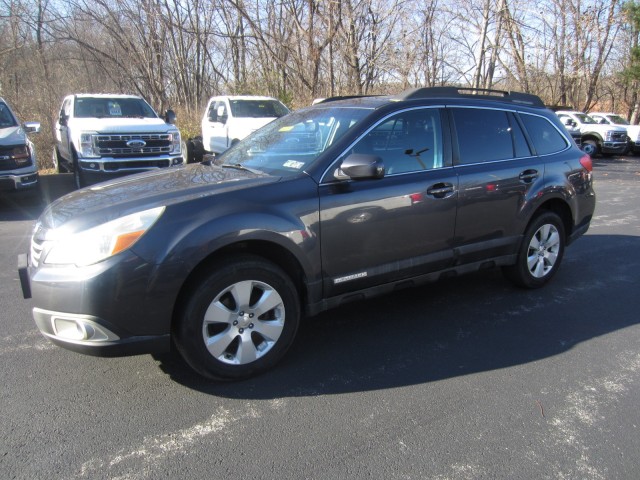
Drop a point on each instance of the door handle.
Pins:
(441, 190)
(528, 176)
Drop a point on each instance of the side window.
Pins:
(409, 141)
(483, 135)
(65, 111)
(521, 146)
(545, 136)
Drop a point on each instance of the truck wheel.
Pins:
(240, 321)
(540, 253)
(55, 159)
(590, 147)
(78, 175)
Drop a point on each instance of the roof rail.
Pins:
(340, 97)
(484, 93)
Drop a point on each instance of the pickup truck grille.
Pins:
(618, 137)
(121, 146)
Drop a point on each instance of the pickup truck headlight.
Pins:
(86, 146)
(101, 242)
(176, 144)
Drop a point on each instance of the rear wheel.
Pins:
(240, 321)
(541, 252)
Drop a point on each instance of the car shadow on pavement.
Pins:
(455, 327)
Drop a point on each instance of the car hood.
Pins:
(133, 193)
(12, 136)
(122, 125)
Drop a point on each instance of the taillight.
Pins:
(586, 162)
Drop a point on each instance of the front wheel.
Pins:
(541, 252)
(240, 321)
(590, 147)
(78, 175)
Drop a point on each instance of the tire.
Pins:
(590, 147)
(240, 321)
(540, 253)
(55, 158)
(78, 176)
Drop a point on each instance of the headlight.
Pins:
(176, 144)
(94, 245)
(21, 155)
(86, 145)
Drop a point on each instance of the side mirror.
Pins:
(63, 119)
(359, 166)
(31, 127)
(170, 117)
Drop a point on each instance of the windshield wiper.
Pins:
(239, 166)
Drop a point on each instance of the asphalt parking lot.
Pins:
(468, 378)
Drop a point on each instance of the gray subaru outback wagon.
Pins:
(340, 201)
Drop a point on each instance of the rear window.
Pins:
(545, 136)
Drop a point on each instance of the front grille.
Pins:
(116, 145)
(618, 137)
(37, 243)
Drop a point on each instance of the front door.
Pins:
(382, 230)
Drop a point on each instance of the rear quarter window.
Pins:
(545, 136)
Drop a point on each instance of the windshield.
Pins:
(258, 108)
(6, 117)
(289, 145)
(618, 120)
(105, 107)
(584, 118)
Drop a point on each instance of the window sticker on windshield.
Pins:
(114, 109)
(293, 164)
(286, 129)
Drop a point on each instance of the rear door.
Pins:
(498, 173)
(382, 230)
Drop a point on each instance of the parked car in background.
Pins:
(229, 119)
(332, 203)
(633, 131)
(101, 136)
(18, 164)
(596, 138)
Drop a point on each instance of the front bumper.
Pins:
(100, 169)
(614, 147)
(18, 181)
(101, 310)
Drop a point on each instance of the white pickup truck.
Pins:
(228, 119)
(101, 136)
(596, 138)
(633, 131)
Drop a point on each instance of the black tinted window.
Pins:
(483, 135)
(519, 141)
(407, 142)
(545, 136)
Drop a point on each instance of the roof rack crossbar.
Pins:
(485, 93)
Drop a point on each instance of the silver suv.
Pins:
(18, 166)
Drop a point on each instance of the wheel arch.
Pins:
(560, 208)
(266, 250)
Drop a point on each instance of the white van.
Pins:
(228, 119)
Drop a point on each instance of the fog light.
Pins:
(70, 329)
